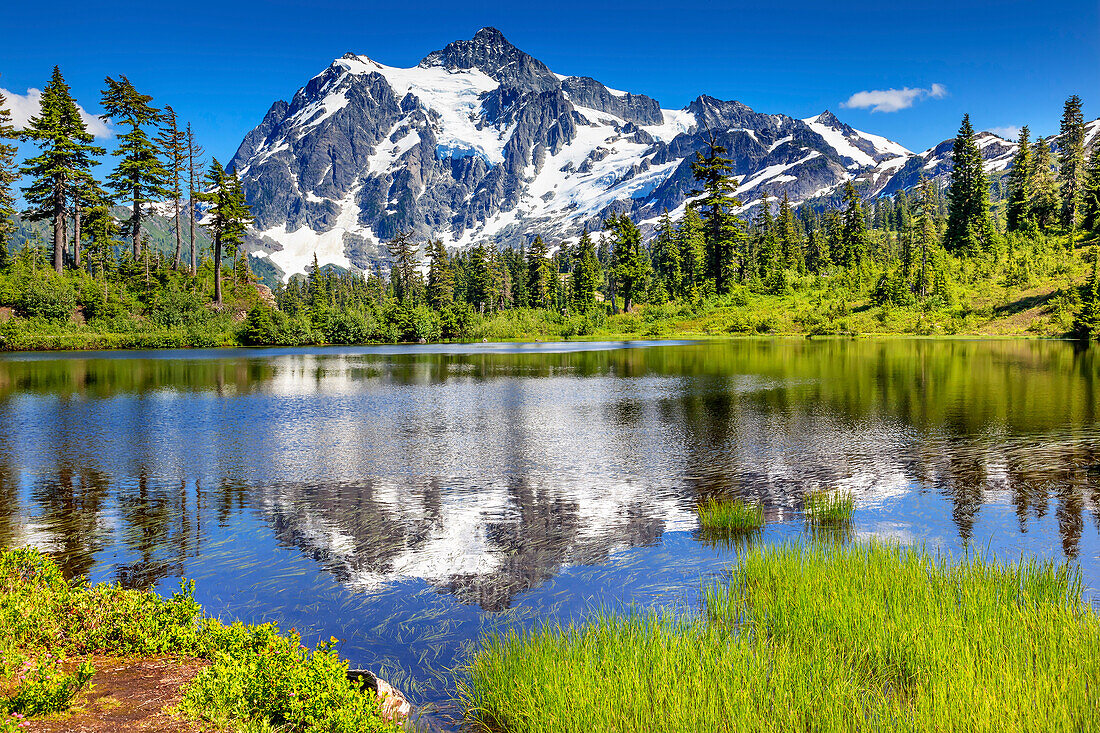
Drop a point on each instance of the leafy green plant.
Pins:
(42, 686)
(258, 676)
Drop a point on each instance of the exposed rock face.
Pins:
(483, 143)
(395, 708)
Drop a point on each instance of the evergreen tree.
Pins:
(1018, 213)
(1044, 188)
(631, 267)
(538, 275)
(173, 145)
(64, 163)
(819, 258)
(8, 176)
(194, 177)
(500, 280)
(693, 256)
(228, 218)
(853, 251)
(102, 229)
(721, 227)
(479, 283)
(1090, 194)
(517, 267)
(770, 258)
(926, 237)
(665, 253)
(1071, 160)
(586, 274)
(441, 278)
(85, 194)
(1087, 321)
(140, 176)
(968, 223)
(790, 239)
(404, 261)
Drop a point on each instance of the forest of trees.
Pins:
(924, 250)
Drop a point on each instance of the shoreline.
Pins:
(675, 339)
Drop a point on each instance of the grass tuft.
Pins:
(816, 637)
(732, 516)
(828, 508)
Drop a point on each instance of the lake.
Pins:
(409, 499)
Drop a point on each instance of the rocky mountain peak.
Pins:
(490, 52)
(828, 119)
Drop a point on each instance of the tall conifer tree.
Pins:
(853, 253)
(538, 275)
(173, 145)
(968, 223)
(1071, 160)
(404, 261)
(441, 277)
(229, 216)
(8, 176)
(64, 163)
(1018, 213)
(631, 266)
(790, 238)
(717, 202)
(586, 274)
(693, 255)
(194, 180)
(665, 253)
(1044, 188)
(139, 178)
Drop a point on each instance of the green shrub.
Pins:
(42, 686)
(47, 296)
(256, 675)
(173, 308)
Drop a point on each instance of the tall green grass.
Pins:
(829, 507)
(818, 637)
(725, 515)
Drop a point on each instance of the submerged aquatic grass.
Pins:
(816, 637)
(725, 515)
(829, 507)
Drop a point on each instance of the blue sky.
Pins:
(221, 64)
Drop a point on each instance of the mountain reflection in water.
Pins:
(408, 499)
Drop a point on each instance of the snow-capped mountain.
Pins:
(935, 163)
(482, 142)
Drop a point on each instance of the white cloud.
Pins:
(1008, 132)
(892, 100)
(25, 106)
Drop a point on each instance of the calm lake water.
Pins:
(409, 499)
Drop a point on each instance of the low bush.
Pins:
(257, 675)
